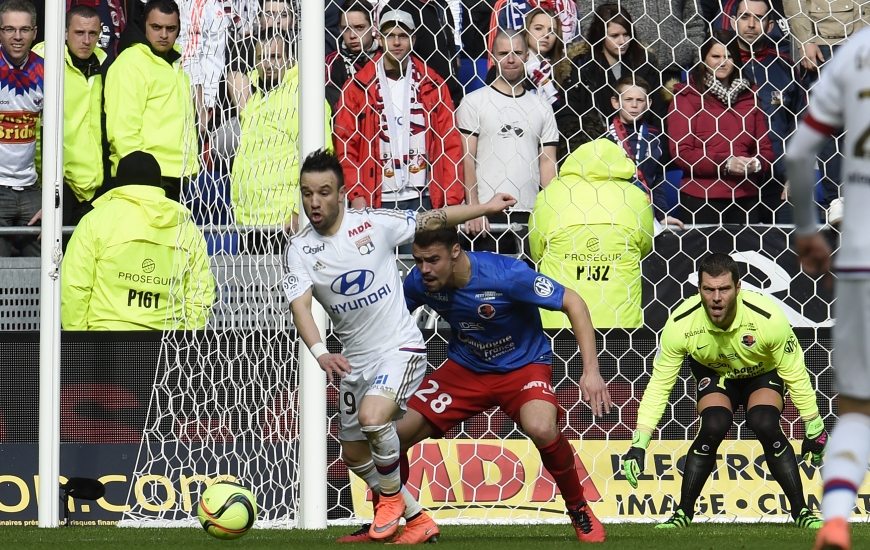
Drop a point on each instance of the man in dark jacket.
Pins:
(357, 47)
(781, 96)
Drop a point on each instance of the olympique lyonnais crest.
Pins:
(748, 340)
(365, 245)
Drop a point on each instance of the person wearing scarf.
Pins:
(356, 48)
(781, 94)
(718, 137)
(641, 143)
(394, 129)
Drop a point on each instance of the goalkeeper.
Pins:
(742, 351)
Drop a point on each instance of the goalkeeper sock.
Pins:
(845, 465)
(384, 442)
(781, 460)
(558, 458)
(701, 458)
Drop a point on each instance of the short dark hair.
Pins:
(163, 6)
(323, 161)
(717, 264)
(83, 11)
(358, 6)
(631, 80)
(446, 236)
(725, 38)
(737, 7)
(19, 6)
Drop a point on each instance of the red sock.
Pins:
(558, 459)
(404, 467)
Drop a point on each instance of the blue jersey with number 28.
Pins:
(495, 319)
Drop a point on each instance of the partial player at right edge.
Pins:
(841, 99)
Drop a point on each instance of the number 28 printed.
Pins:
(439, 403)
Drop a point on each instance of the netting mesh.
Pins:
(679, 149)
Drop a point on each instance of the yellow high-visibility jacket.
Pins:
(265, 177)
(589, 230)
(82, 132)
(149, 107)
(136, 262)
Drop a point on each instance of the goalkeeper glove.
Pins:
(633, 460)
(815, 441)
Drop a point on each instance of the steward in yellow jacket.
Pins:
(149, 107)
(137, 261)
(265, 176)
(82, 130)
(589, 230)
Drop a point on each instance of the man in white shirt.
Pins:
(21, 100)
(510, 136)
(345, 259)
(839, 101)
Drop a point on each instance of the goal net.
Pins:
(225, 402)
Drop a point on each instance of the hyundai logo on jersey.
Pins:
(353, 282)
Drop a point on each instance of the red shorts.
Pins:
(453, 393)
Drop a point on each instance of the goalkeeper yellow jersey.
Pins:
(758, 341)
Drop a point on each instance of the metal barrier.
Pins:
(248, 296)
(248, 287)
(19, 294)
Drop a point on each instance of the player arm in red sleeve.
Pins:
(592, 386)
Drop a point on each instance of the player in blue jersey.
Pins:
(498, 355)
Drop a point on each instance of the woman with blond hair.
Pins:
(546, 61)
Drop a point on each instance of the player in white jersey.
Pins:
(346, 260)
(841, 99)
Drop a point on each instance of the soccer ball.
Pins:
(227, 510)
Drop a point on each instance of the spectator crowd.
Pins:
(689, 106)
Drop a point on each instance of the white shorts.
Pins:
(395, 375)
(851, 355)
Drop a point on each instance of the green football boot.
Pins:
(808, 520)
(677, 521)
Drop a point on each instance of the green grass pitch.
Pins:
(497, 537)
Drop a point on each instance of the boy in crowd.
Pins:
(642, 142)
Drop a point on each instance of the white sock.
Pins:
(412, 507)
(845, 465)
(369, 474)
(384, 442)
